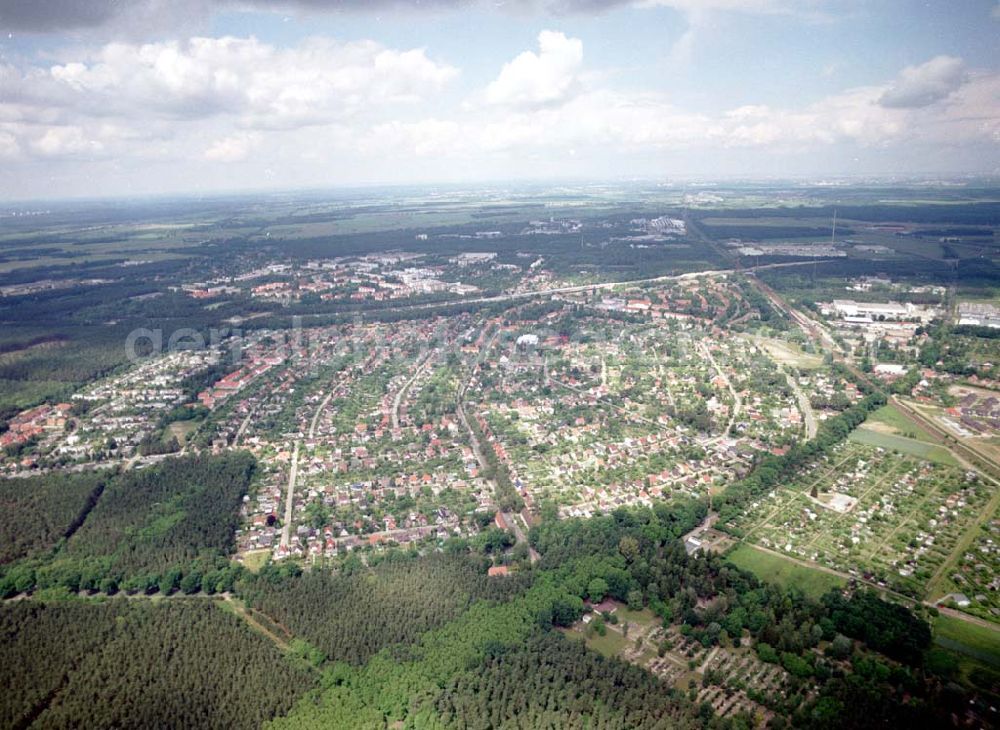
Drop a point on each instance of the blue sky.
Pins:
(157, 96)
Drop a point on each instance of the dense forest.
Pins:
(352, 614)
(163, 528)
(42, 510)
(549, 682)
(173, 513)
(181, 663)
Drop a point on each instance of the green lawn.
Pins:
(611, 644)
(642, 618)
(937, 454)
(975, 648)
(891, 416)
(965, 637)
(254, 560)
(775, 569)
(181, 429)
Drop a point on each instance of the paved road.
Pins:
(804, 405)
(575, 289)
(319, 410)
(293, 472)
(737, 401)
(402, 391)
(514, 520)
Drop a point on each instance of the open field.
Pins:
(976, 649)
(974, 640)
(775, 569)
(610, 644)
(788, 353)
(254, 560)
(895, 422)
(182, 430)
(936, 454)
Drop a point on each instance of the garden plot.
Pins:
(976, 573)
(731, 676)
(732, 679)
(889, 518)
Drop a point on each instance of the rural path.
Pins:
(708, 660)
(293, 472)
(244, 613)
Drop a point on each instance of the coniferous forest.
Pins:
(182, 663)
(46, 509)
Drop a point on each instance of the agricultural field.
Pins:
(890, 518)
(774, 568)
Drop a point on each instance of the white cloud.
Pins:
(633, 122)
(121, 97)
(234, 148)
(922, 85)
(324, 112)
(65, 142)
(548, 77)
(263, 86)
(9, 147)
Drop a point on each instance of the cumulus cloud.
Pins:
(234, 148)
(647, 122)
(67, 141)
(265, 86)
(550, 76)
(106, 100)
(356, 108)
(923, 85)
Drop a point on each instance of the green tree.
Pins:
(597, 589)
